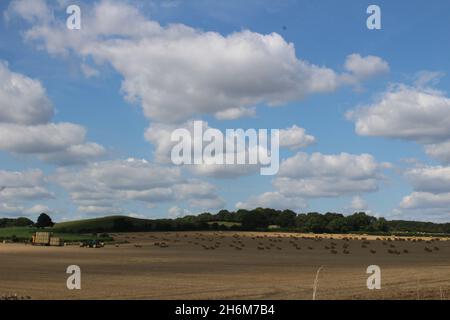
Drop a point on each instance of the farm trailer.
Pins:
(46, 239)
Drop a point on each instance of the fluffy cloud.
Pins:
(14, 211)
(31, 10)
(11, 210)
(431, 189)
(324, 186)
(19, 187)
(427, 200)
(274, 200)
(107, 176)
(295, 138)
(305, 176)
(177, 212)
(46, 138)
(235, 113)
(89, 71)
(132, 174)
(160, 136)
(22, 186)
(99, 210)
(38, 208)
(33, 193)
(354, 167)
(153, 195)
(419, 114)
(17, 179)
(439, 151)
(364, 67)
(358, 204)
(408, 113)
(430, 179)
(426, 78)
(104, 186)
(22, 100)
(207, 203)
(319, 175)
(75, 154)
(177, 72)
(224, 171)
(25, 127)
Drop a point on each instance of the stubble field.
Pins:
(231, 265)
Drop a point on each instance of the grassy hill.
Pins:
(104, 224)
(25, 234)
(21, 233)
(80, 230)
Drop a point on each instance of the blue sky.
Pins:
(397, 73)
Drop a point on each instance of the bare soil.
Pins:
(230, 265)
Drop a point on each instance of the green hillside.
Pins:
(104, 224)
(21, 233)
(81, 230)
(25, 234)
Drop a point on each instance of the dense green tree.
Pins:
(338, 225)
(316, 222)
(225, 215)
(254, 220)
(300, 221)
(359, 221)
(44, 221)
(205, 217)
(285, 219)
(381, 225)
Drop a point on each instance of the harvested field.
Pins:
(231, 265)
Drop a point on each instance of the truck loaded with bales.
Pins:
(46, 239)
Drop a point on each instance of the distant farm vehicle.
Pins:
(91, 244)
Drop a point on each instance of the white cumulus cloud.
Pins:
(177, 72)
(26, 127)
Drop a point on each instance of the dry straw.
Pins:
(316, 282)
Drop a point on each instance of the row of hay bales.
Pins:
(46, 239)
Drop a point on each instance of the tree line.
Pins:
(263, 219)
(259, 219)
(43, 221)
(330, 222)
